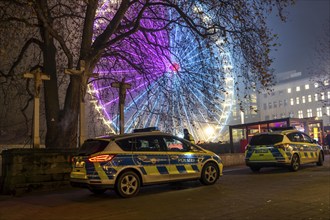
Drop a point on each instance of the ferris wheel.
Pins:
(191, 86)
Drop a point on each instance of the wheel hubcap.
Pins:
(295, 163)
(129, 184)
(210, 174)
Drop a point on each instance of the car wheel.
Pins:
(295, 163)
(128, 184)
(255, 169)
(321, 159)
(210, 174)
(97, 191)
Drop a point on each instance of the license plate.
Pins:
(260, 151)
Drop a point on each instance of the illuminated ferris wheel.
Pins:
(192, 86)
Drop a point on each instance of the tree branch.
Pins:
(45, 21)
(24, 48)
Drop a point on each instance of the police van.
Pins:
(127, 162)
(289, 148)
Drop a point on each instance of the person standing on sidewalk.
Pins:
(188, 136)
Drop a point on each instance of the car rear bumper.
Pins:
(267, 163)
(82, 183)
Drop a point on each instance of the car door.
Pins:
(184, 164)
(150, 155)
(299, 146)
(311, 149)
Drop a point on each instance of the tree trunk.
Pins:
(62, 125)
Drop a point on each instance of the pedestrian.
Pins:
(327, 139)
(188, 136)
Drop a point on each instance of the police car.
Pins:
(127, 162)
(289, 148)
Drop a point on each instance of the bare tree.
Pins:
(107, 35)
(320, 66)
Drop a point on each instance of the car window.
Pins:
(149, 143)
(126, 144)
(92, 146)
(266, 139)
(295, 137)
(306, 138)
(173, 144)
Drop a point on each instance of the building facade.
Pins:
(296, 96)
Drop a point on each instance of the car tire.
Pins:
(295, 163)
(128, 184)
(255, 169)
(98, 191)
(210, 174)
(321, 159)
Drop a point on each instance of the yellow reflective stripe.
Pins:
(189, 169)
(173, 169)
(100, 171)
(151, 170)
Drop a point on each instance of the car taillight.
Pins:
(101, 158)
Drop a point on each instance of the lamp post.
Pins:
(122, 96)
(38, 76)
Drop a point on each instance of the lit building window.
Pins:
(328, 110)
(253, 98)
(319, 112)
(297, 100)
(322, 95)
(326, 82)
(289, 90)
(307, 86)
(303, 99)
(309, 98)
(309, 112)
(254, 109)
(297, 88)
(316, 85)
(291, 101)
(316, 97)
(328, 94)
(300, 114)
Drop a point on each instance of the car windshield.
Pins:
(92, 146)
(266, 139)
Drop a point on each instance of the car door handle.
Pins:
(174, 157)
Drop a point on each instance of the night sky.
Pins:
(299, 35)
